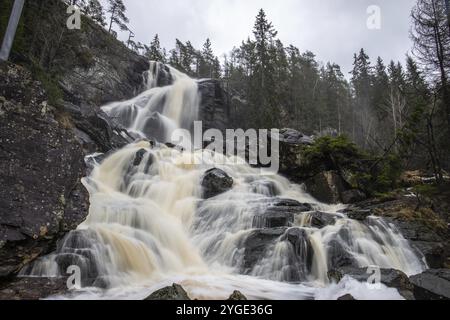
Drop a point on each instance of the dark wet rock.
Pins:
(237, 296)
(215, 182)
(298, 253)
(300, 207)
(174, 292)
(214, 105)
(265, 187)
(174, 146)
(292, 144)
(257, 243)
(390, 277)
(338, 257)
(355, 214)
(278, 213)
(33, 288)
(95, 130)
(347, 297)
(274, 218)
(433, 284)
(139, 156)
(436, 253)
(301, 257)
(160, 73)
(41, 166)
(352, 196)
(322, 219)
(327, 187)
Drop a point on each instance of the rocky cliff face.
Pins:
(41, 165)
(214, 105)
(42, 146)
(104, 70)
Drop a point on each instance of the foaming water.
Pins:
(158, 111)
(148, 225)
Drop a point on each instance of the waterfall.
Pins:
(148, 225)
(158, 111)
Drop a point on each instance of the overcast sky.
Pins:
(332, 29)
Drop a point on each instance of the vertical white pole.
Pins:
(10, 33)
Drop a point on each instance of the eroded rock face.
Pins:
(111, 71)
(215, 182)
(41, 164)
(214, 107)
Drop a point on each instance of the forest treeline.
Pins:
(392, 109)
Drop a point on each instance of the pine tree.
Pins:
(207, 60)
(155, 52)
(117, 10)
(362, 85)
(380, 89)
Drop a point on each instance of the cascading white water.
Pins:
(148, 225)
(158, 111)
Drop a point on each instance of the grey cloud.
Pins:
(333, 29)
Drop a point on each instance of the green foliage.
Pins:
(50, 84)
(368, 173)
(335, 153)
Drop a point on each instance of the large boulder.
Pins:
(215, 182)
(327, 186)
(292, 144)
(297, 253)
(256, 245)
(322, 219)
(41, 164)
(338, 257)
(95, 130)
(174, 292)
(278, 212)
(433, 284)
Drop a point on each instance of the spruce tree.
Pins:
(155, 52)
